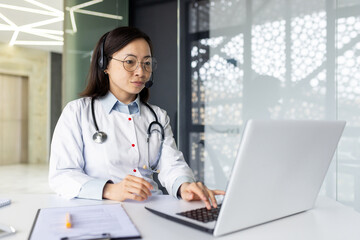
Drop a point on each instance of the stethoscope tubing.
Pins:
(100, 137)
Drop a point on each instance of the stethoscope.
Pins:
(100, 137)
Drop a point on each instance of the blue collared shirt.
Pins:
(111, 103)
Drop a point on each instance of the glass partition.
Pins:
(279, 59)
(84, 23)
(347, 59)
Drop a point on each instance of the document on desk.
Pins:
(87, 222)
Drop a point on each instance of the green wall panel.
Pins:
(83, 26)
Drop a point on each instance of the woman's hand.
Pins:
(198, 191)
(131, 187)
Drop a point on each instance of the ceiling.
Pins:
(32, 23)
(39, 23)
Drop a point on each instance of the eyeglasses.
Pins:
(131, 63)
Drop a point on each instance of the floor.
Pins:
(24, 178)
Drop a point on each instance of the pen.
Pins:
(68, 220)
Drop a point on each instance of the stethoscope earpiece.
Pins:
(154, 171)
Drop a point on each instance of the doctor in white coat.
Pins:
(108, 144)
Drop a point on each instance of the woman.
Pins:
(108, 144)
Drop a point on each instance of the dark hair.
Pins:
(98, 82)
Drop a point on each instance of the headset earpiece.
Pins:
(102, 61)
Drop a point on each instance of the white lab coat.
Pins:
(76, 159)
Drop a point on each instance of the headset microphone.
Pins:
(149, 83)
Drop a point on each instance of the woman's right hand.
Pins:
(131, 187)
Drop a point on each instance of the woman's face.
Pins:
(125, 85)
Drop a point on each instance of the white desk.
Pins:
(329, 220)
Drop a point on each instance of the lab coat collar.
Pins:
(109, 102)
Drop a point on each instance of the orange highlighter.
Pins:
(68, 220)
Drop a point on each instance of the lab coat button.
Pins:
(129, 119)
(133, 145)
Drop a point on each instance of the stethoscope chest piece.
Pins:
(99, 137)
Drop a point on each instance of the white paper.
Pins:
(87, 222)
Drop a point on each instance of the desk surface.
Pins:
(328, 220)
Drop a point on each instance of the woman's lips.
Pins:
(138, 84)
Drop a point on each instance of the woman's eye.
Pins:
(129, 61)
(148, 63)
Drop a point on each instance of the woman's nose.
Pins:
(140, 70)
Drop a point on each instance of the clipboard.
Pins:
(95, 222)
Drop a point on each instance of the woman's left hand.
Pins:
(198, 191)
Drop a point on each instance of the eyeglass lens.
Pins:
(131, 64)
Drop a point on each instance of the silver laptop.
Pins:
(278, 171)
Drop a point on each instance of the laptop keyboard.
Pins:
(202, 214)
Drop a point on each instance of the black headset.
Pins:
(103, 61)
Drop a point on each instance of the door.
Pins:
(13, 119)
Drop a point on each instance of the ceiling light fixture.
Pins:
(13, 39)
(30, 10)
(44, 6)
(78, 9)
(56, 16)
(8, 21)
(48, 43)
(99, 14)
